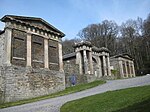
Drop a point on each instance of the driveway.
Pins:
(54, 104)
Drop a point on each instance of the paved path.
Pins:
(54, 104)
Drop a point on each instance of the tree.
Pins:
(101, 35)
(68, 45)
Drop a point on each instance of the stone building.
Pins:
(91, 62)
(124, 65)
(31, 62)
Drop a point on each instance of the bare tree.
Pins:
(101, 35)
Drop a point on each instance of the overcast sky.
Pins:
(70, 16)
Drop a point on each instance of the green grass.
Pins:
(68, 90)
(135, 99)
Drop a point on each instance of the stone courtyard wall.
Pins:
(23, 83)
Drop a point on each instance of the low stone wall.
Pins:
(23, 83)
(84, 78)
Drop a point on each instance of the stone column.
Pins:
(108, 66)
(133, 69)
(85, 62)
(79, 61)
(100, 68)
(8, 36)
(60, 57)
(104, 66)
(29, 50)
(130, 67)
(46, 62)
(91, 62)
(126, 69)
(121, 69)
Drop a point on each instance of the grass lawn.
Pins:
(68, 90)
(135, 99)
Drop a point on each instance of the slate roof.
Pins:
(67, 56)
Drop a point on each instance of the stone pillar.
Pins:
(108, 66)
(29, 50)
(126, 69)
(79, 61)
(8, 36)
(100, 68)
(104, 66)
(85, 62)
(133, 69)
(91, 62)
(77, 55)
(46, 62)
(121, 69)
(130, 71)
(60, 57)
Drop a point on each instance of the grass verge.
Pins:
(68, 90)
(135, 99)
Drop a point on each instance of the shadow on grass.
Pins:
(138, 107)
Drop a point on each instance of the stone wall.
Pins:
(23, 83)
(1, 63)
(1, 85)
(1, 49)
(70, 67)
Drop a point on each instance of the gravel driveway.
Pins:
(54, 104)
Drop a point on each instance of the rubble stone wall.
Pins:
(23, 83)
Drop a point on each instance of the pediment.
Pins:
(127, 56)
(37, 22)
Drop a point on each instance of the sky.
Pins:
(71, 16)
